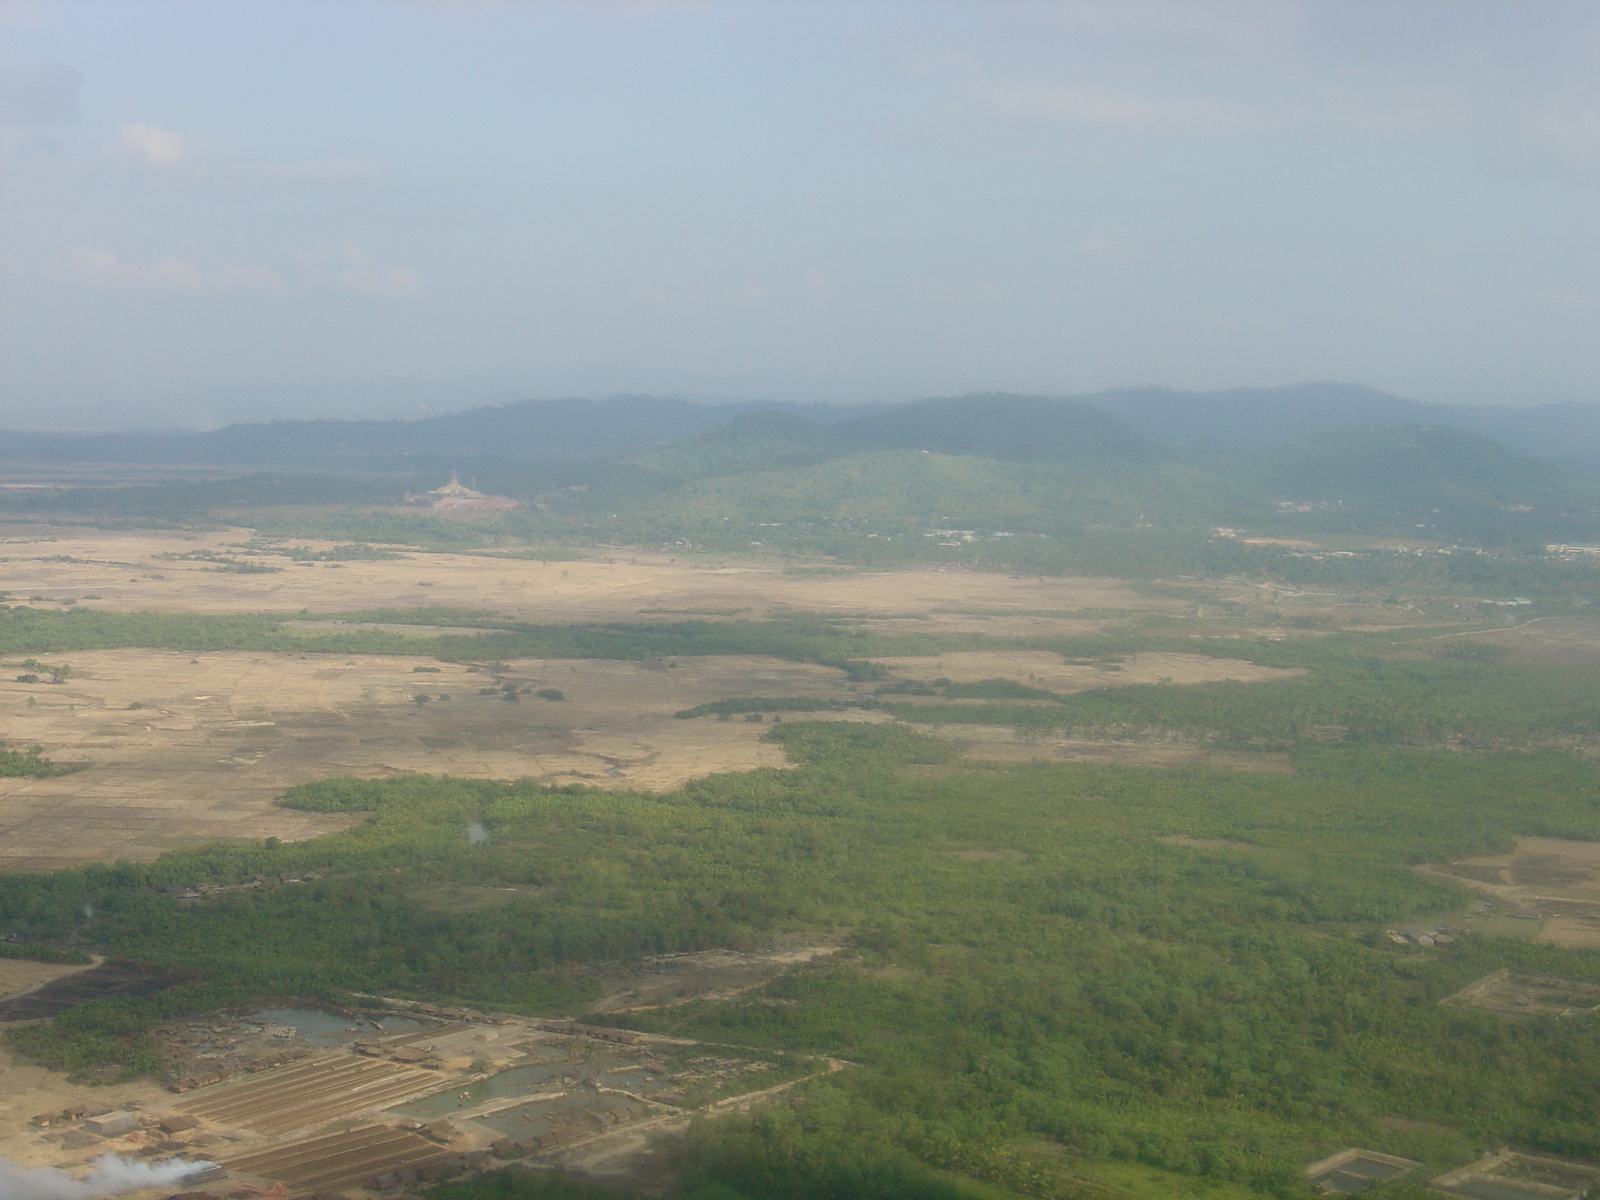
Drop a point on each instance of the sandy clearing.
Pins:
(1043, 669)
(221, 734)
(26, 1090)
(1572, 932)
(18, 977)
(1552, 867)
(667, 980)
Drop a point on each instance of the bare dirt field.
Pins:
(125, 570)
(1002, 744)
(1541, 642)
(1551, 884)
(219, 735)
(1041, 668)
(666, 980)
(26, 1090)
(183, 747)
(19, 977)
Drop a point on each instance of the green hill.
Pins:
(1018, 429)
(893, 488)
(1443, 481)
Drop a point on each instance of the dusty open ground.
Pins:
(126, 571)
(183, 747)
(216, 736)
(220, 734)
(18, 977)
(1042, 669)
(1002, 744)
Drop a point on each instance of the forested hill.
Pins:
(999, 428)
(1444, 481)
(1025, 465)
(1044, 467)
(1004, 428)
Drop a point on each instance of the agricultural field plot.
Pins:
(305, 1095)
(1551, 883)
(217, 736)
(1526, 994)
(1351, 1172)
(339, 1160)
(357, 1109)
(1510, 1175)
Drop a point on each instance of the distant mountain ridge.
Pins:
(1316, 459)
(529, 431)
(1122, 424)
(1003, 427)
(1244, 422)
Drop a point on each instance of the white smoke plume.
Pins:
(112, 1175)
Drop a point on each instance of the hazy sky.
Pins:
(219, 208)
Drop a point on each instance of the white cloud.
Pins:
(101, 269)
(155, 147)
(232, 278)
(348, 268)
(104, 270)
(152, 146)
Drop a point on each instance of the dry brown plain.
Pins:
(124, 570)
(1040, 668)
(216, 736)
(221, 734)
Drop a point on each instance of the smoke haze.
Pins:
(112, 1175)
